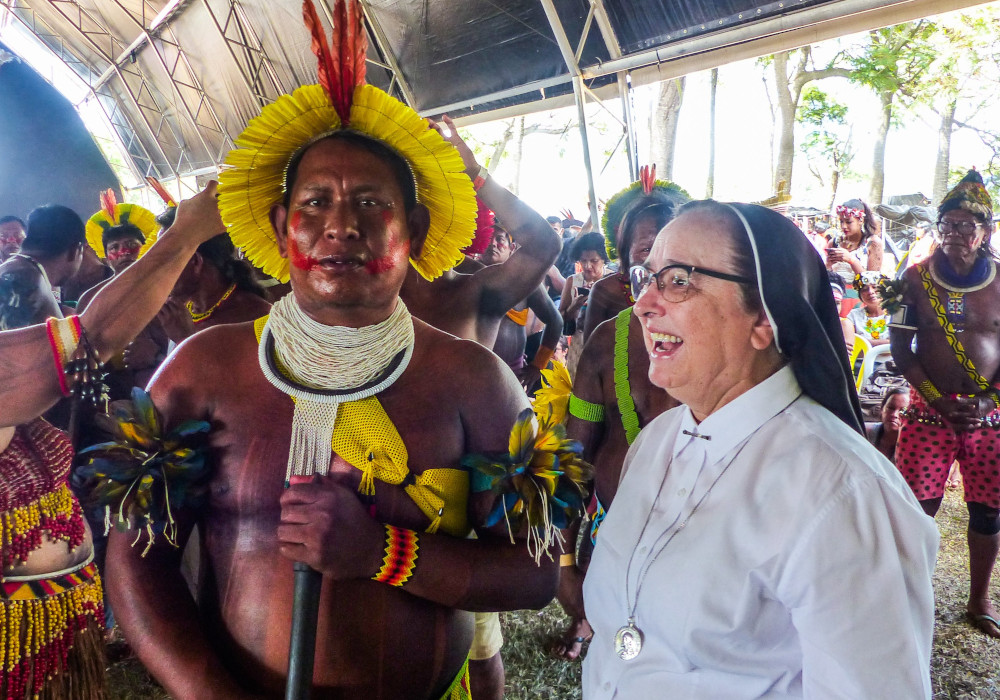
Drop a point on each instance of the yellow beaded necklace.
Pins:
(198, 317)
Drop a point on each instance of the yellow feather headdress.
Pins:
(254, 182)
(111, 214)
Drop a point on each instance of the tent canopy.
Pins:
(179, 79)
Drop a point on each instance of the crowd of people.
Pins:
(342, 329)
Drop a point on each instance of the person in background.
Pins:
(758, 546)
(870, 321)
(951, 306)
(857, 247)
(50, 255)
(885, 434)
(12, 232)
(589, 251)
(837, 287)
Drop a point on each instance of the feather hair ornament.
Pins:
(109, 204)
(342, 60)
(485, 226)
(647, 176)
(255, 179)
(161, 191)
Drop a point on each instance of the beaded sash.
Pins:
(623, 390)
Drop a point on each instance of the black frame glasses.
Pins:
(945, 227)
(640, 278)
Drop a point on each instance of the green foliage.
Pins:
(895, 59)
(829, 140)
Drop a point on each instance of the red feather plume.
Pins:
(161, 190)
(485, 226)
(647, 176)
(108, 204)
(342, 61)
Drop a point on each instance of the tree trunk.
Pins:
(515, 184)
(943, 162)
(834, 184)
(663, 126)
(500, 147)
(878, 156)
(710, 185)
(786, 124)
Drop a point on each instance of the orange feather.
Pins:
(108, 204)
(342, 61)
(647, 174)
(327, 69)
(161, 190)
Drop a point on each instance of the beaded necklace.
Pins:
(626, 287)
(199, 316)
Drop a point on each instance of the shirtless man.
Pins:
(348, 228)
(951, 302)
(136, 365)
(49, 256)
(471, 306)
(11, 236)
(512, 336)
(636, 233)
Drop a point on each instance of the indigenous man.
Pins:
(216, 287)
(472, 306)
(11, 236)
(631, 221)
(93, 271)
(408, 401)
(612, 397)
(50, 255)
(951, 303)
(512, 337)
(122, 233)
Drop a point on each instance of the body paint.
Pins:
(296, 258)
(388, 261)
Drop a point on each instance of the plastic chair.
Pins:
(879, 353)
(862, 349)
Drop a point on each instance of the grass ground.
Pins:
(965, 665)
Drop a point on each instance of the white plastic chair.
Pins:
(878, 353)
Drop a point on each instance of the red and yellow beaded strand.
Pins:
(400, 556)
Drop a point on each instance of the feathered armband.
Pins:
(539, 483)
(141, 477)
(890, 291)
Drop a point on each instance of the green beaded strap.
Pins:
(584, 410)
(623, 390)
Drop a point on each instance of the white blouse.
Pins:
(805, 572)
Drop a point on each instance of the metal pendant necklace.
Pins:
(629, 638)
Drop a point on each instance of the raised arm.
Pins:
(538, 245)
(28, 381)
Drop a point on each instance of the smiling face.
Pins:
(347, 235)
(870, 299)
(708, 348)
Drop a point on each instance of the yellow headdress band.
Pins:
(114, 214)
(254, 182)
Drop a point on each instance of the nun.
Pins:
(759, 546)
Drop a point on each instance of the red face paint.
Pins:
(296, 258)
(387, 217)
(296, 218)
(387, 262)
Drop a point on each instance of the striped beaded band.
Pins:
(929, 391)
(585, 410)
(64, 336)
(400, 556)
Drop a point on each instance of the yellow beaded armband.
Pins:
(929, 391)
(400, 556)
(585, 410)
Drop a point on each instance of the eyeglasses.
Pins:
(674, 281)
(962, 228)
